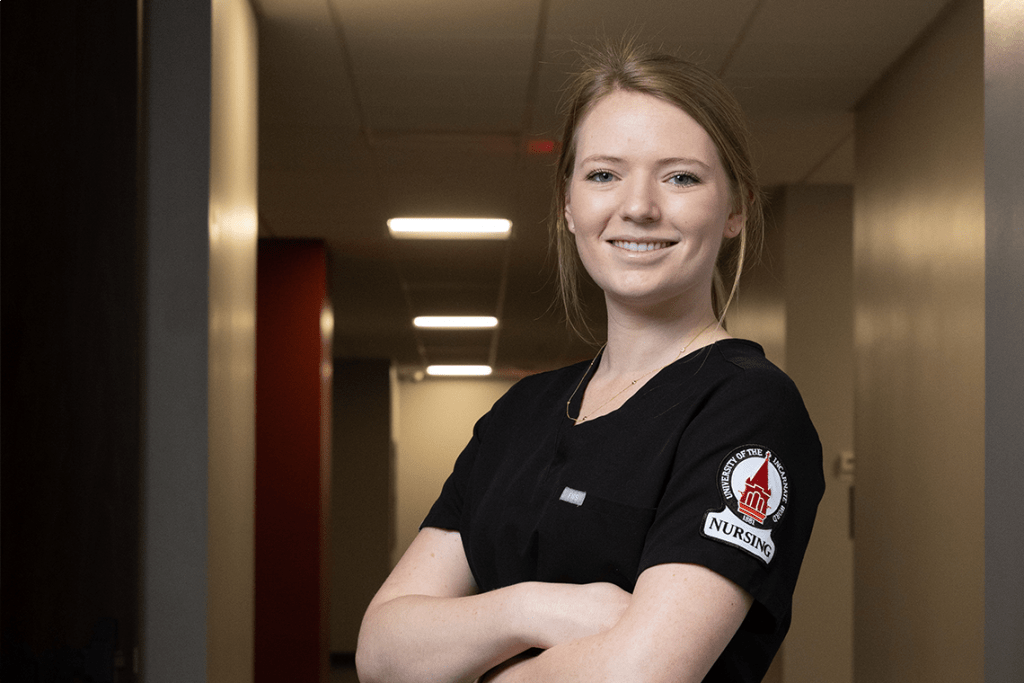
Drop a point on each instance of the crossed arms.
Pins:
(428, 623)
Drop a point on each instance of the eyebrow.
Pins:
(670, 161)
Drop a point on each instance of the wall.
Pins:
(759, 310)
(435, 422)
(1004, 330)
(232, 343)
(919, 274)
(105, 341)
(818, 258)
(175, 289)
(362, 496)
(294, 330)
(71, 329)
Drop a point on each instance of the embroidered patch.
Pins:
(756, 494)
(570, 495)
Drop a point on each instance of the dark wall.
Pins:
(292, 462)
(70, 330)
(362, 494)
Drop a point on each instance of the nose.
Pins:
(640, 204)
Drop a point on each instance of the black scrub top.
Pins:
(714, 461)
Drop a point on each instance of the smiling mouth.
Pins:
(641, 246)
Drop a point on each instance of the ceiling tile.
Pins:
(424, 99)
(788, 145)
(810, 42)
(701, 30)
(441, 66)
(396, 20)
(306, 81)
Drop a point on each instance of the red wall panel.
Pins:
(292, 462)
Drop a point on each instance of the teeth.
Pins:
(640, 246)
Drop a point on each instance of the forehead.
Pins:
(639, 124)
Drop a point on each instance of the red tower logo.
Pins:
(755, 493)
(754, 499)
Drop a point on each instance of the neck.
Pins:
(639, 342)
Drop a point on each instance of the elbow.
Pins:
(369, 655)
(366, 669)
(370, 665)
(364, 663)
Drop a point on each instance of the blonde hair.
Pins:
(705, 98)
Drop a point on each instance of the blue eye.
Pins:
(684, 179)
(600, 176)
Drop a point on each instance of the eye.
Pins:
(684, 179)
(600, 176)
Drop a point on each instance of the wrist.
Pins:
(525, 619)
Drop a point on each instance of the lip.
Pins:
(644, 246)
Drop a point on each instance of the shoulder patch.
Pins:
(755, 491)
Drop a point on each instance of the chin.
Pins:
(677, 300)
(643, 301)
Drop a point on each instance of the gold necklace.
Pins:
(579, 419)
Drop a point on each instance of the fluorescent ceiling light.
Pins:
(449, 228)
(458, 370)
(462, 321)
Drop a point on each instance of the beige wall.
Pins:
(759, 311)
(817, 226)
(435, 420)
(919, 269)
(233, 144)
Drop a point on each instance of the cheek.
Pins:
(589, 212)
(720, 218)
(701, 220)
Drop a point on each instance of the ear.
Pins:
(735, 223)
(568, 217)
(737, 220)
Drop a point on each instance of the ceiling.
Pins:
(371, 109)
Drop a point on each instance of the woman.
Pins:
(642, 516)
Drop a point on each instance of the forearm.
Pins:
(678, 623)
(424, 639)
(603, 658)
(592, 659)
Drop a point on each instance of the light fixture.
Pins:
(458, 370)
(455, 321)
(449, 228)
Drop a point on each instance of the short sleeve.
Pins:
(744, 489)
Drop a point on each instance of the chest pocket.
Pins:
(595, 540)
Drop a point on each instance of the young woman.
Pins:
(642, 516)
